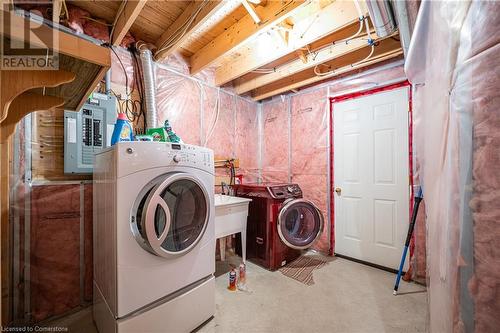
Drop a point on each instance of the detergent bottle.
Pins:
(172, 137)
(122, 131)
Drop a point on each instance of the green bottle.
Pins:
(172, 137)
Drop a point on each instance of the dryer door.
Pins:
(171, 215)
(300, 223)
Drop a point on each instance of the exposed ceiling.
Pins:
(295, 44)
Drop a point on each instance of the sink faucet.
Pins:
(224, 188)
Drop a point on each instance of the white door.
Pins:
(371, 176)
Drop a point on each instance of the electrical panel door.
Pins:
(87, 132)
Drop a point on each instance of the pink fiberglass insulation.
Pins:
(55, 264)
(309, 152)
(457, 133)
(194, 108)
(177, 62)
(365, 81)
(178, 100)
(118, 75)
(97, 29)
(485, 285)
(275, 141)
(247, 139)
(220, 121)
(485, 64)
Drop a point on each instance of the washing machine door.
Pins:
(171, 215)
(300, 223)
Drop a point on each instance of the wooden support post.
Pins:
(15, 103)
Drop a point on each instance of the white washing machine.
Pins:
(154, 245)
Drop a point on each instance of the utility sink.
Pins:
(224, 200)
(230, 218)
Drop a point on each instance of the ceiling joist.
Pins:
(331, 18)
(306, 61)
(128, 12)
(197, 12)
(386, 49)
(251, 11)
(240, 32)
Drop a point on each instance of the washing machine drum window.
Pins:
(300, 224)
(172, 215)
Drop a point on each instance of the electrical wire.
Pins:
(122, 8)
(217, 112)
(348, 39)
(264, 70)
(134, 109)
(127, 93)
(318, 73)
(175, 37)
(362, 19)
(367, 58)
(97, 21)
(66, 12)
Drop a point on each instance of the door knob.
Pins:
(338, 190)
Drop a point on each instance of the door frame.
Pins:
(354, 95)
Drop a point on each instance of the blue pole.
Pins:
(418, 199)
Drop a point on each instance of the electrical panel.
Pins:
(87, 132)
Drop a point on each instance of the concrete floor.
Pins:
(346, 297)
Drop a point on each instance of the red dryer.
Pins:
(280, 223)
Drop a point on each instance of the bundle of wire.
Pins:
(134, 109)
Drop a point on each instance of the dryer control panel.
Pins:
(184, 154)
(139, 155)
(285, 191)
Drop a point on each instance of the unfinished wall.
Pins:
(457, 133)
(200, 113)
(52, 221)
(295, 141)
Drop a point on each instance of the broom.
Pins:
(418, 199)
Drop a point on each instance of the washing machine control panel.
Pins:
(285, 191)
(183, 154)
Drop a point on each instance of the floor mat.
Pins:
(301, 269)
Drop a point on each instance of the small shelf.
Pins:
(87, 60)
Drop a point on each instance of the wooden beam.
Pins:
(258, 2)
(302, 56)
(321, 23)
(56, 40)
(22, 105)
(56, 10)
(92, 86)
(14, 83)
(240, 32)
(251, 11)
(171, 35)
(340, 66)
(310, 60)
(128, 12)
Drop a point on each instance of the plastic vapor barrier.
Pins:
(455, 59)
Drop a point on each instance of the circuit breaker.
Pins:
(88, 131)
